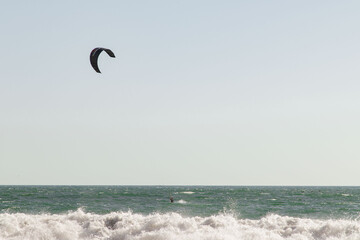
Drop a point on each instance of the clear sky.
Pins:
(200, 92)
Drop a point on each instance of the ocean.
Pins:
(198, 212)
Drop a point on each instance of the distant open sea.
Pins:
(198, 212)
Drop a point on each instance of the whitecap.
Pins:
(187, 192)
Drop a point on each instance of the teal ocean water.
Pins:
(198, 212)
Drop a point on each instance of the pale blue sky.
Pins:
(201, 92)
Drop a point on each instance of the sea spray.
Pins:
(132, 226)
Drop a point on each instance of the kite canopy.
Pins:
(94, 55)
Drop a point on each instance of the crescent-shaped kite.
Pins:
(94, 55)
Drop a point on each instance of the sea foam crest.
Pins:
(130, 226)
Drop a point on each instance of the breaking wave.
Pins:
(131, 226)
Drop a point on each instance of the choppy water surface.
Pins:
(198, 212)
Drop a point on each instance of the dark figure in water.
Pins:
(171, 199)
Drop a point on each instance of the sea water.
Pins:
(198, 212)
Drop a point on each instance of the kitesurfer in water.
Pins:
(171, 199)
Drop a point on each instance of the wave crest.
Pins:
(131, 226)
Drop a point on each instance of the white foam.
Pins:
(170, 226)
(188, 192)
